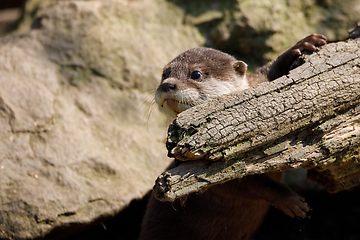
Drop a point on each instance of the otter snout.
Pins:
(176, 95)
(166, 87)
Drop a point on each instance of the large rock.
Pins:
(77, 144)
(258, 31)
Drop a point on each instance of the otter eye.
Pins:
(195, 75)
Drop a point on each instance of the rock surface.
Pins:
(255, 31)
(77, 144)
(261, 30)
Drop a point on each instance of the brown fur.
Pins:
(220, 74)
(221, 212)
(235, 209)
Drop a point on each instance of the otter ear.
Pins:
(240, 67)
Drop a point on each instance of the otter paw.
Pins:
(293, 205)
(309, 43)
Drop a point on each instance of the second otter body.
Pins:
(235, 209)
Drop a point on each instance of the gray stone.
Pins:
(80, 136)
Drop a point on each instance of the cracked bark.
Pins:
(309, 119)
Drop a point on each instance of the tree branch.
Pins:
(306, 119)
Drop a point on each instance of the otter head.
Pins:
(196, 76)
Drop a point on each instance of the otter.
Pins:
(237, 208)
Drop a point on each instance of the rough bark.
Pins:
(307, 119)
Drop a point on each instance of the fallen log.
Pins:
(306, 119)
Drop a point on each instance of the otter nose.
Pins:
(166, 87)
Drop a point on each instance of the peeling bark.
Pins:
(307, 119)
